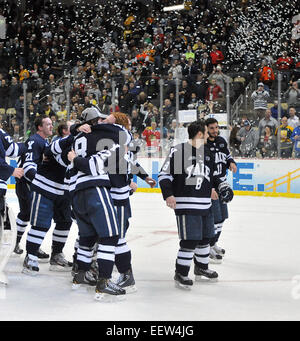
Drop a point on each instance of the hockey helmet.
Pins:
(91, 113)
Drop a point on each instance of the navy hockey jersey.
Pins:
(188, 175)
(223, 158)
(8, 148)
(120, 189)
(96, 152)
(33, 157)
(44, 174)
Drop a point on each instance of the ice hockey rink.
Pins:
(259, 278)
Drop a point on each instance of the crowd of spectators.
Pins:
(119, 51)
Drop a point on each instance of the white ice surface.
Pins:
(257, 280)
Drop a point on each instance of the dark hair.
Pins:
(270, 127)
(61, 127)
(211, 120)
(195, 127)
(38, 122)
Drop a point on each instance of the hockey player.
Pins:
(218, 146)
(89, 185)
(7, 235)
(122, 187)
(186, 180)
(30, 160)
(48, 201)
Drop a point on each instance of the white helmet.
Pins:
(90, 113)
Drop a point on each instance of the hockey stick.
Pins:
(7, 240)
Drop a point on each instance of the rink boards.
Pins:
(273, 177)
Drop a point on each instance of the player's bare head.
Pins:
(121, 119)
(197, 130)
(43, 125)
(63, 129)
(212, 127)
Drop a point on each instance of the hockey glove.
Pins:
(225, 192)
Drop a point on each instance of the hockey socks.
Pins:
(185, 256)
(106, 256)
(122, 256)
(21, 227)
(60, 236)
(85, 252)
(35, 238)
(201, 258)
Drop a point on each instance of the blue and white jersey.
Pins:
(96, 154)
(44, 174)
(8, 148)
(223, 158)
(189, 176)
(121, 190)
(33, 157)
(12, 149)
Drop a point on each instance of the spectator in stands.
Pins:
(248, 137)
(266, 74)
(205, 64)
(190, 71)
(268, 120)
(295, 137)
(214, 91)
(219, 77)
(176, 69)
(293, 119)
(216, 55)
(286, 144)
(50, 85)
(22, 72)
(62, 114)
(55, 122)
(260, 99)
(172, 131)
(31, 113)
(284, 65)
(125, 100)
(19, 106)
(267, 145)
(201, 87)
(274, 110)
(184, 95)
(152, 137)
(194, 102)
(4, 91)
(15, 91)
(54, 105)
(137, 121)
(151, 114)
(169, 113)
(234, 143)
(292, 94)
(37, 108)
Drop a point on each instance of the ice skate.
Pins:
(42, 256)
(30, 266)
(182, 282)
(214, 257)
(85, 278)
(127, 282)
(59, 263)
(219, 250)
(204, 275)
(107, 291)
(18, 250)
